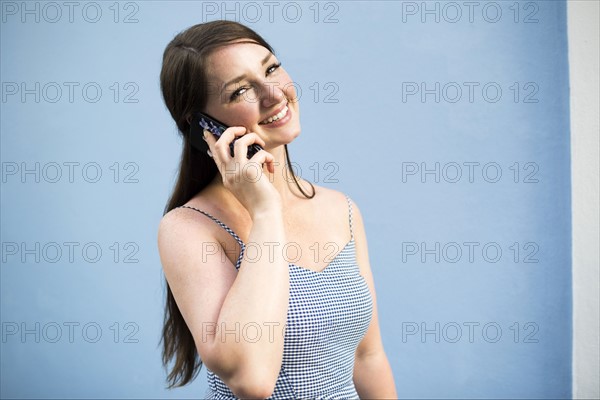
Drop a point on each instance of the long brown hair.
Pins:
(184, 86)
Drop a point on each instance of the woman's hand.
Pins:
(245, 178)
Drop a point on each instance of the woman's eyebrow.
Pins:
(242, 77)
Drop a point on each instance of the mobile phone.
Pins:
(201, 121)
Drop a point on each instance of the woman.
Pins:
(262, 325)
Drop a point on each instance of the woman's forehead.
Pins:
(228, 61)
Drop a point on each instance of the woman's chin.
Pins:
(276, 138)
(292, 136)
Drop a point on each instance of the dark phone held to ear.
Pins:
(201, 121)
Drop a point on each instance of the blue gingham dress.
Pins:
(328, 315)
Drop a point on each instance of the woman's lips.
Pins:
(280, 114)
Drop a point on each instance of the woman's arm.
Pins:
(372, 372)
(237, 318)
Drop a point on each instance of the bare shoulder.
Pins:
(336, 210)
(335, 201)
(172, 226)
(328, 197)
(183, 236)
(175, 230)
(180, 225)
(187, 225)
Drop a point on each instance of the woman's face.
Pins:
(249, 88)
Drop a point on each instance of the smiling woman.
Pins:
(262, 325)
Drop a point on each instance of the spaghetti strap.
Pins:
(350, 216)
(228, 229)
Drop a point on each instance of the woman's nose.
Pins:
(271, 94)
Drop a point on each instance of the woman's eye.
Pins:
(272, 68)
(238, 93)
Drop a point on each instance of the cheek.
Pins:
(246, 114)
(290, 88)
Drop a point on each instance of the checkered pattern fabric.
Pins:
(328, 314)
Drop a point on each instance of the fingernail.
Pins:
(209, 153)
(204, 132)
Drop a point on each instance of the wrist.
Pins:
(269, 212)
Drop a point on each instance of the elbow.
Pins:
(247, 378)
(252, 385)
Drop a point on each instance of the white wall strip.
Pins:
(583, 18)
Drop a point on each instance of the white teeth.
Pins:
(279, 115)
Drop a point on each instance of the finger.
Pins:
(222, 143)
(251, 138)
(231, 133)
(209, 138)
(265, 158)
(211, 141)
(242, 144)
(215, 143)
(213, 148)
(270, 165)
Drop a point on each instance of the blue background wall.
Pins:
(491, 323)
